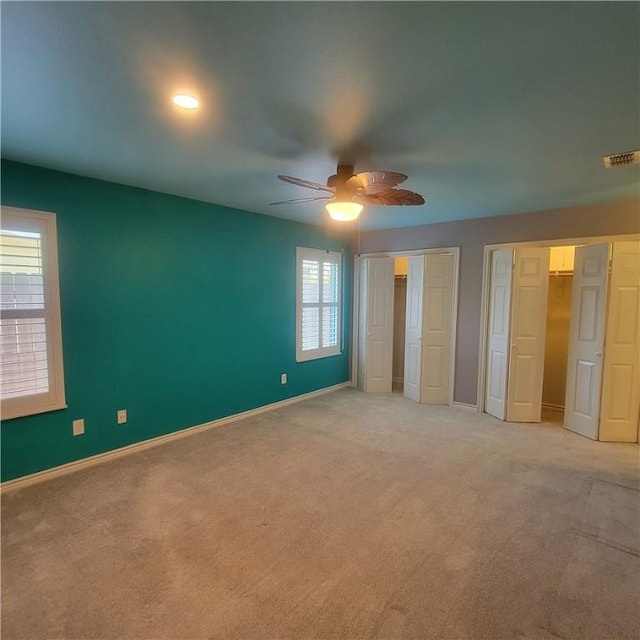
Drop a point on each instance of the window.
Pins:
(31, 376)
(318, 305)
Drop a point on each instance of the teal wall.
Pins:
(177, 310)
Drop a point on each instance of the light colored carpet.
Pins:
(345, 516)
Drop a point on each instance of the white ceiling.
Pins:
(490, 108)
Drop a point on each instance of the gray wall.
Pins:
(472, 235)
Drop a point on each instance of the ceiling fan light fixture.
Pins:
(344, 211)
(185, 101)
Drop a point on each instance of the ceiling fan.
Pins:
(348, 192)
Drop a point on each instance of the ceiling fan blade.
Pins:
(305, 183)
(313, 199)
(393, 197)
(375, 182)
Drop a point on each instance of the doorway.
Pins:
(401, 271)
(556, 350)
(404, 324)
(546, 318)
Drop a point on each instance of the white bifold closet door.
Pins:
(413, 328)
(375, 354)
(498, 333)
(497, 361)
(437, 342)
(517, 325)
(363, 269)
(429, 328)
(586, 339)
(529, 293)
(620, 377)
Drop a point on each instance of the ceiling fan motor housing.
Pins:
(345, 183)
(343, 173)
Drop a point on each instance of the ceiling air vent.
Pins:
(621, 159)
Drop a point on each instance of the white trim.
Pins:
(561, 242)
(552, 407)
(412, 252)
(467, 407)
(454, 324)
(484, 320)
(71, 467)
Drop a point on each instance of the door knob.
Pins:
(598, 354)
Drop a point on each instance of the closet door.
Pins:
(378, 308)
(438, 328)
(530, 290)
(413, 328)
(363, 269)
(497, 360)
(620, 379)
(586, 339)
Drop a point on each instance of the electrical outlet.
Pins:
(283, 378)
(121, 416)
(78, 427)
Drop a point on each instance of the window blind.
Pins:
(23, 341)
(318, 303)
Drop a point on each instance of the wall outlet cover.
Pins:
(78, 427)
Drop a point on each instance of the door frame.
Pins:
(355, 316)
(486, 279)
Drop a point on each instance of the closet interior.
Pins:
(561, 261)
(399, 318)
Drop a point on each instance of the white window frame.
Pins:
(45, 224)
(320, 255)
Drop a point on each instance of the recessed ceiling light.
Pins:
(185, 101)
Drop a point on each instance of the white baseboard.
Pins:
(77, 465)
(553, 407)
(466, 407)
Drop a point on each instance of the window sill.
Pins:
(304, 357)
(12, 414)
